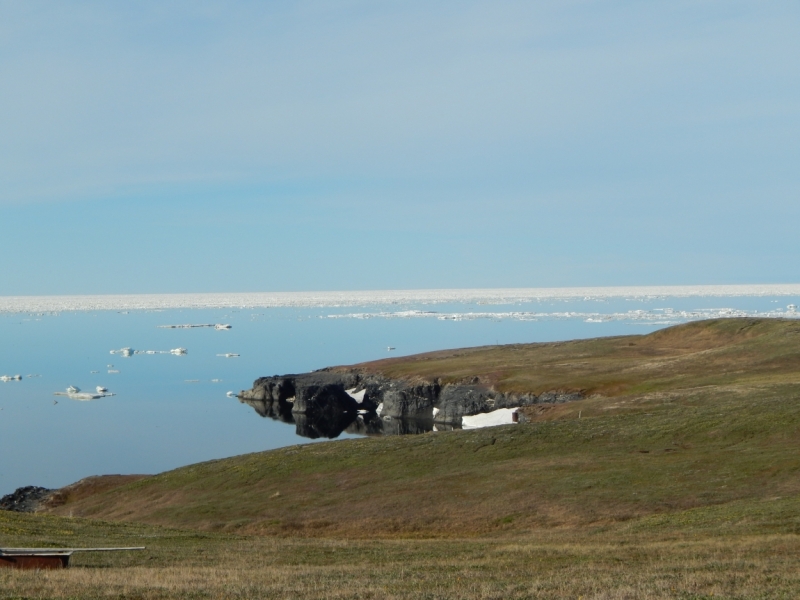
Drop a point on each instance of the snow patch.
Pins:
(357, 396)
(501, 416)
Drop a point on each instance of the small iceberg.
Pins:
(178, 351)
(10, 377)
(126, 352)
(501, 416)
(231, 395)
(229, 355)
(75, 393)
(218, 326)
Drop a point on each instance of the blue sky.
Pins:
(278, 146)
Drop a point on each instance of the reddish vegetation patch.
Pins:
(90, 486)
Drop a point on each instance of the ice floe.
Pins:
(75, 393)
(217, 326)
(501, 416)
(229, 355)
(128, 352)
(122, 303)
(658, 316)
(10, 378)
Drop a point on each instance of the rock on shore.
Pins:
(25, 499)
(328, 400)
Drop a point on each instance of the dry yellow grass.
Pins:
(623, 562)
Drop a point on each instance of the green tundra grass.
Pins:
(677, 477)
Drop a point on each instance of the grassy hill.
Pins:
(705, 414)
(677, 477)
(705, 353)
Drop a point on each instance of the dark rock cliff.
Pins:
(25, 499)
(321, 405)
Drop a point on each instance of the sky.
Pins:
(243, 146)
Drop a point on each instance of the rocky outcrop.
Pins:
(325, 403)
(26, 499)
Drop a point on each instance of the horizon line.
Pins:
(82, 302)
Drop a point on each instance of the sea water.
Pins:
(171, 410)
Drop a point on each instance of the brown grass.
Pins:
(86, 487)
(689, 556)
(716, 352)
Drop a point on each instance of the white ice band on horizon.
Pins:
(375, 297)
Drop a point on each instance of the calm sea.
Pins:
(171, 410)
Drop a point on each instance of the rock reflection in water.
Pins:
(331, 424)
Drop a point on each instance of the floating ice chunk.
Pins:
(94, 372)
(501, 416)
(74, 393)
(379, 410)
(231, 395)
(435, 412)
(216, 380)
(363, 412)
(357, 396)
(178, 351)
(101, 390)
(192, 380)
(113, 371)
(33, 375)
(390, 348)
(10, 377)
(218, 326)
(229, 355)
(126, 352)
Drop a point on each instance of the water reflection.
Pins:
(331, 424)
